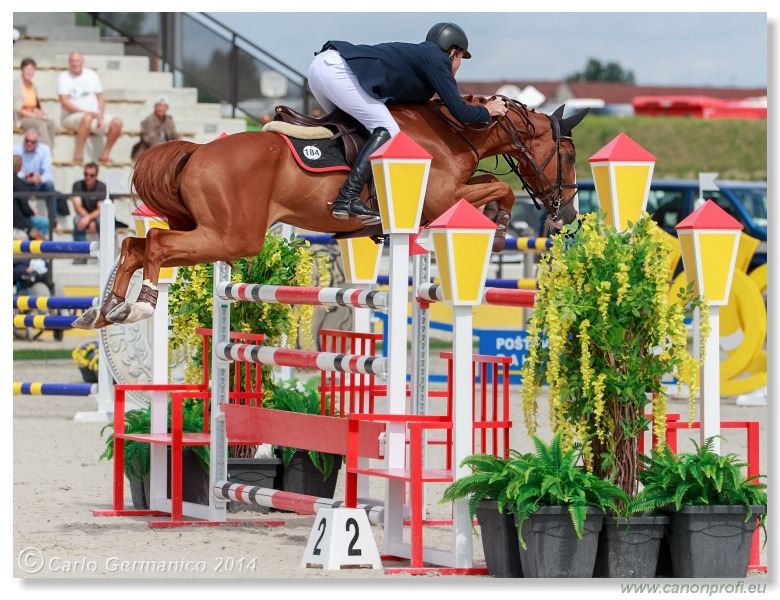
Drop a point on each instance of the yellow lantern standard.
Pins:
(400, 170)
(361, 258)
(462, 240)
(622, 172)
(709, 241)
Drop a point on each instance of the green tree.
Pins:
(595, 70)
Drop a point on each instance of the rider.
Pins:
(361, 80)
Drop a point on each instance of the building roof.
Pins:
(611, 93)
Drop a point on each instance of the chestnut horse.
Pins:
(220, 197)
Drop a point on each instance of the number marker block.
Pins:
(341, 537)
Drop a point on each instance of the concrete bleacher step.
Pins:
(132, 112)
(158, 81)
(46, 52)
(103, 63)
(176, 96)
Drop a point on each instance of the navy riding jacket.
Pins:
(396, 72)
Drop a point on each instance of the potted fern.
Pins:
(559, 507)
(713, 508)
(304, 471)
(195, 459)
(485, 488)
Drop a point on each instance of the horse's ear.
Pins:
(571, 122)
(558, 112)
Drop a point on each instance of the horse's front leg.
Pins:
(116, 308)
(130, 260)
(486, 189)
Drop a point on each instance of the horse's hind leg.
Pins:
(130, 260)
(168, 248)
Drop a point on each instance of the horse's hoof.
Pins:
(119, 313)
(126, 313)
(88, 319)
(499, 242)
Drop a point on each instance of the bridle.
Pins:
(550, 191)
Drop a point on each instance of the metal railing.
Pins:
(203, 53)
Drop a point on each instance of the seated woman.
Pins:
(27, 106)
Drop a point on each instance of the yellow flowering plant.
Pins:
(281, 262)
(87, 355)
(604, 333)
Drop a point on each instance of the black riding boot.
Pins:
(348, 203)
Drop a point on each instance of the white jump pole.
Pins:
(400, 170)
(105, 390)
(709, 241)
(462, 238)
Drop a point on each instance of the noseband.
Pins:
(552, 192)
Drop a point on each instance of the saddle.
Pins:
(346, 129)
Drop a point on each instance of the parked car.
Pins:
(670, 201)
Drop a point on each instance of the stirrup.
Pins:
(343, 209)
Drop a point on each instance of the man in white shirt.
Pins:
(82, 100)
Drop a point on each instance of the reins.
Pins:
(515, 135)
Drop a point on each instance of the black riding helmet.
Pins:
(447, 35)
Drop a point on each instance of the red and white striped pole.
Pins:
(302, 359)
(314, 296)
(433, 292)
(281, 500)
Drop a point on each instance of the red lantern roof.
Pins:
(144, 211)
(463, 216)
(401, 146)
(709, 216)
(622, 148)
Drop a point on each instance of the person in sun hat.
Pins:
(156, 128)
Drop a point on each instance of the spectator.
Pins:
(27, 105)
(88, 195)
(156, 128)
(36, 173)
(26, 219)
(83, 103)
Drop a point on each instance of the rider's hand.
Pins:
(496, 107)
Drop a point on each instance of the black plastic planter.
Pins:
(260, 472)
(195, 482)
(302, 477)
(711, 541)
(499, 540)
(628, 547)
(554, 550)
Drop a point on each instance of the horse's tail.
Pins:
(156, 181)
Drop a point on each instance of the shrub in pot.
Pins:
(605, 329)
(713, 508)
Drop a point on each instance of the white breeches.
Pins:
(334, 85)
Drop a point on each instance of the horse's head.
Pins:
(545, 150)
